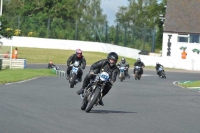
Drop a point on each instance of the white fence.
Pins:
(70, 45)
(170, 62)
(13, 63)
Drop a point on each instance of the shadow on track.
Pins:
(110, 112)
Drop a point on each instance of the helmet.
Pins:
(138, 60)
(114, 57)
(79, 53)
(123, 60)
(50, 62)
(157, 63)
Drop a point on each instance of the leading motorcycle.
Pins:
(93, 92)
(73, 80)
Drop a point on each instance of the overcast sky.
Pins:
(110, 8)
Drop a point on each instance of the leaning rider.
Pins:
(106, 65)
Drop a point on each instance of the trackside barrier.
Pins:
(15, 63)
(171, 62)
(0, 64)
(60, 73)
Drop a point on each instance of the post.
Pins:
(1, 8)
(48, 27)
(133, 36)
(116, 38)
(125, 35)
(76, 34)
(18, 22)
(153, 41)
(106, 34)
(11, 55)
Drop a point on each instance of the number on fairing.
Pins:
(104, 76)
(74, 69)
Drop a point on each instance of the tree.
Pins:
(5, 30)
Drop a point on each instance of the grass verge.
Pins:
(36, 55)
(14, 75)
(190, 83)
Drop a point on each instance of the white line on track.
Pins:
(145, 75)
(22, 81)
(176, 83)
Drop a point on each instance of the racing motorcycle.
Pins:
(161, 72)
(137, 72)
(73, 80)
(122, 73)
(93, 92)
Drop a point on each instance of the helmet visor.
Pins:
(79, 55)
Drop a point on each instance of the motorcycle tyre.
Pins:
(92, 101)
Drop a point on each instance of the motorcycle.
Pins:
(122, 75)
(137, 72)
(73, 80)
(93, 92)
(161, 72)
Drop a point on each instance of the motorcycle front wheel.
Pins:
(72, 80)
(93, 99)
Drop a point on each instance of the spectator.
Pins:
(6, 55)
(184, 54)
(14, 55)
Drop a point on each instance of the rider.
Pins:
(140, 64)
(157, 67)
(123, 63)
(51, 65)
(107, 65)
(76, 57)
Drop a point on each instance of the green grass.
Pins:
(14, 75)
(191, 84)
(36, 55)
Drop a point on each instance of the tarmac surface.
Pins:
(150, 105)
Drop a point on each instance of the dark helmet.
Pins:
(157, 63)
(123, 60)
(112, 56)
(79, 53)
(138, 60)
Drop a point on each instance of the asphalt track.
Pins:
(151, 105)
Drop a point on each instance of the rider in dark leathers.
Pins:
(76, 57)
(123, 63)
(139, 63)
(51, 65)
(107, 65)
(157, 67)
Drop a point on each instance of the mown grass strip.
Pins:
(15, 75)
(37, 55)
(190, 84)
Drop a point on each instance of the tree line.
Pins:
(84, 20)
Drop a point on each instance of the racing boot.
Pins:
(101, 102)
(81, 91)
(80, 79)
(67, 78)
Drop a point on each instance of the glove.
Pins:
(91, 72)
(83, 68)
